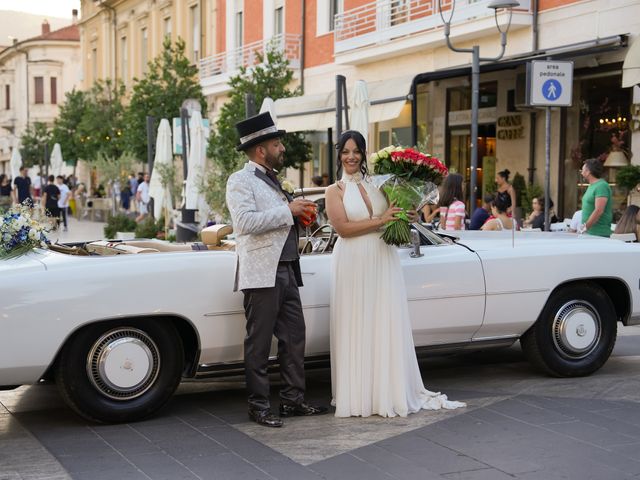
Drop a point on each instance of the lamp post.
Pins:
(475, 78)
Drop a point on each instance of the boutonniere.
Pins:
(287, 186)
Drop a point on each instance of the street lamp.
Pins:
(475, 77)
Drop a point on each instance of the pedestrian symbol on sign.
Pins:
(551, 90)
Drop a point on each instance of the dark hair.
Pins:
(629, 220)
(361, 143)
(594, 166)
(501, 203)
(51, 178)
(488, 198)
(2, 177)
(317, 180)
(451, 190)
(505, 174)
(60, 177)
(541, 200)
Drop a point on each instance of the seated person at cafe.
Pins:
(482, 214)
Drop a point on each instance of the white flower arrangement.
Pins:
(20, 231)
(287, 186)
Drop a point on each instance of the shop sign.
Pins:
(510, 127)
(549, 84)
(463, 117)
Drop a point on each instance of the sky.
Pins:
(53, 8)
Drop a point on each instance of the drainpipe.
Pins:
(302, 45)
(534, 26)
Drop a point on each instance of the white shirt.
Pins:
(143, 188)
(65, 193)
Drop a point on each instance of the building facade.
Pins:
(35, 74)
(120, 37)
(420, 89)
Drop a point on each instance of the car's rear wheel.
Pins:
(575, 333)
(120, 372)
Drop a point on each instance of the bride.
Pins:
(374, 370)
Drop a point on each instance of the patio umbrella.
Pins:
(196, 163)
(56, 160)
(16, 163)
(164, 156)
(268, 105)
(360, 109)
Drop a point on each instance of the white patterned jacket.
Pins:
(261, 221)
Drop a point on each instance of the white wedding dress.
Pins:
(374, 370)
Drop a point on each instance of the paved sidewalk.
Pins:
(78, 231)
(518, 424)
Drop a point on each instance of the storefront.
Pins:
(511, 134)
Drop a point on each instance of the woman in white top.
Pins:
(501, 220)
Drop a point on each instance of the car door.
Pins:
(446, 292)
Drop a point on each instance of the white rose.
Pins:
(374, 158)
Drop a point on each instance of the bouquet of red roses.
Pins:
(409, 180)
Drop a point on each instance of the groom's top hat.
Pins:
(254, 130)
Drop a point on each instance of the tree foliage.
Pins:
(170, 79)
(102, 125)
(33, 141)
(269, 78)
(66, 127)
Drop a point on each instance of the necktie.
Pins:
(272, 176)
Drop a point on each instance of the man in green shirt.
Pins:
(597, 212)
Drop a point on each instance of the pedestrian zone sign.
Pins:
(550, 83)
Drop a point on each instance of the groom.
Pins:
(268, 271)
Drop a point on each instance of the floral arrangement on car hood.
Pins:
(409, 180)
(20, 231)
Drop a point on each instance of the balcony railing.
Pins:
(384, 20)
(221, 66)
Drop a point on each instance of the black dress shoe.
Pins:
(301, 410)
(265, 417)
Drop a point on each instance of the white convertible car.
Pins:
(118, 329)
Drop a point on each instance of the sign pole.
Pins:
(547, 169)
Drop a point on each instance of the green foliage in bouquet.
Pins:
(118, 223)
(408, 178)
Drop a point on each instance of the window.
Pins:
(124, 60)
(278, 20)
(94, 63)
(54, 90)
(39, 96)
(239, 30)
(144, 54)
(167, 27)
(7, 97)
(335, 7)
(194, 13)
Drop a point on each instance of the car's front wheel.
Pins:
(575, 333)
(120, 372)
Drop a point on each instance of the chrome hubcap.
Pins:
(123, 363)
(577, 329)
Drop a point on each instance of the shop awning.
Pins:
(631, 65)
(318, 111)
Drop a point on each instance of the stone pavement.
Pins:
(518, 424)
(78, 231)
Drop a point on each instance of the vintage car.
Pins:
(118, 325)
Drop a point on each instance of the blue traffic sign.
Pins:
(551, 90)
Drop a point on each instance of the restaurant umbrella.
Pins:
(360, 109)
(268, 105)
(164, 156)
(16, 163)
(196, 163)
(56, 160)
